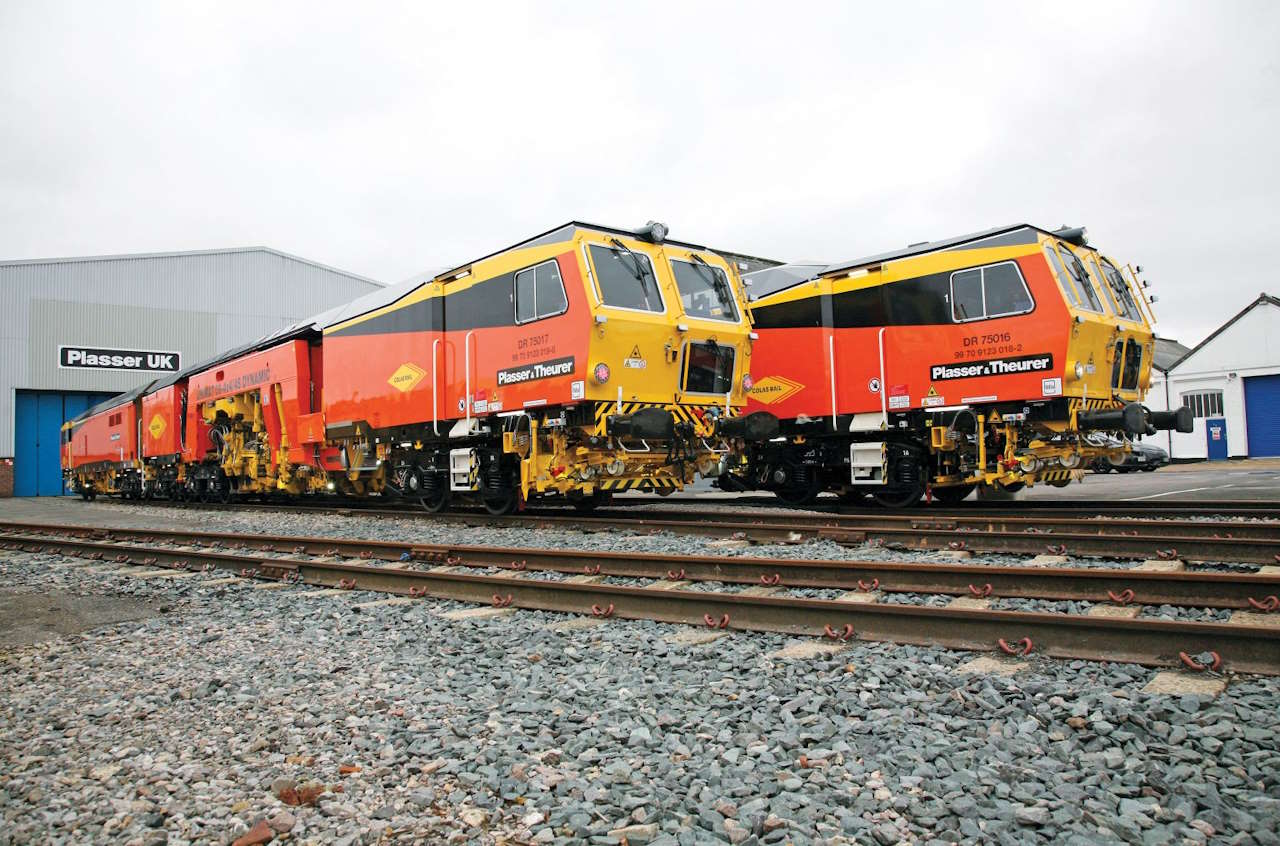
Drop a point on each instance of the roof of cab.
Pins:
(773, 279)
(114, 402)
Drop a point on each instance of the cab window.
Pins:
(708, 368)
(1081, 279)
(1121, 291)
(981, 293)
(540, 292)
(1098, 276)
(626, 278)
(1064, 280)
(704, 290)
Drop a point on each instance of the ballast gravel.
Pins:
(304, 718)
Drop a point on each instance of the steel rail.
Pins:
(674, 507)
(1120, 586)
(1235, 647)
(1233, 541)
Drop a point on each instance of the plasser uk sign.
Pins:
(99, 358)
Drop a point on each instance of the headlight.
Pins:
(747, 382)
(601, 373)
(1079, 370)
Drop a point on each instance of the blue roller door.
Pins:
(38, 422)
(1262, 414)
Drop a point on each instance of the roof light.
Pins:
(653, 231)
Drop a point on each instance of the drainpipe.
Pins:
(1168, 435)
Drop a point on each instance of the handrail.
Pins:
(884, 408)
(831, 358)
(466, 342)
(435, 405)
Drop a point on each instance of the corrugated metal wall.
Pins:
(196, 304)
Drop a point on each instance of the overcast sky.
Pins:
(409, 137)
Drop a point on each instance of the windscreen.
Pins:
(626, 278)
(1081, 277)
(704, 290)
(1121, 291)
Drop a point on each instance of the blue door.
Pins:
(1261, 407)
(49, 469)
(25, 465)
(1216, 432)
(38, 419)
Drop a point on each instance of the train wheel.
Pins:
(852, 497)
(953, 495)
(670, 491)
(898, 497)
(799, 496)
(434, 498)
(501, 503)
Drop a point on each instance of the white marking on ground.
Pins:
(1171, 493)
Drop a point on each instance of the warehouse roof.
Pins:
(1263, 299)
(186, 253)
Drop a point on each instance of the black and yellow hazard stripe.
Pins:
(665, 483)
(682, 413)
(1095, 404)
(1059, 475)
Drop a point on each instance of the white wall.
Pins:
(1249, 347)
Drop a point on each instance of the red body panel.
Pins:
(283, 371)
(109, 436)
(799, 360)
(162, 421)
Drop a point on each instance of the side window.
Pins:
(626, 278)
(540, 292)
(997, 290)
(966, 295)
(1004, 290)
(1081, 278)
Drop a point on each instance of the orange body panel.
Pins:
(162, 421)
(794, 374)
(386, 379)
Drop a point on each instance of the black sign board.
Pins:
(99, 358)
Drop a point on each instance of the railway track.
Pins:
(1222, 540)
(506, 578)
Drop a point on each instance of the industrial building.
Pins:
(1231, 383)
(78, 330)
